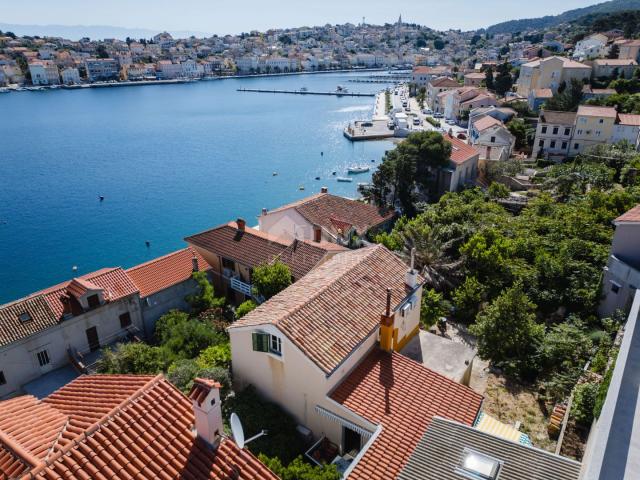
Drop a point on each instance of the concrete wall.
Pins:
(157, 304)
(19, 363)
(626, 243)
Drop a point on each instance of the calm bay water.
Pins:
(170, 160)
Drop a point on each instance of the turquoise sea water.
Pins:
(170, 160)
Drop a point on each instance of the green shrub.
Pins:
(498, 190)
(245, 307)
(298, 469)
(184, 337)
(205, 298)
(584, 401)
(133, 358)
(215, 356)
(182, 372)
(270, 279)
(602, 391)
(468, 298)
(434, 306)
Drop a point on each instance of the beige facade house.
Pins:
(324, 349)
(629, 49)
(421, 75)
(550, 73)
(594, 125)
(606, 67)
(474, 79)
(333, 218)
(436, 86)
(491, 138)
(554, 133)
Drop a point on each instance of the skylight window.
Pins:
(478, 466)
(25, 317)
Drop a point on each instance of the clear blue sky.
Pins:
(216, 16)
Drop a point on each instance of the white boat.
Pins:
(344, 179)
(358, 169)
(304, 89)
(341, 89)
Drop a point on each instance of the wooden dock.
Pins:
(302, 92)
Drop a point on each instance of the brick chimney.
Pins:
(207, 410)
(386, 325)
(317, 233)
(324, 190)
(241, 224)
(194, 261)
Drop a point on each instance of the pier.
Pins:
(302, 92)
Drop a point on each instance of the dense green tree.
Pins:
(508, 334)
(133, 358)
(433, 307)
(215, 356)
(498, 190)
(185, 337)
(299, 469)
(504, 80)
(205, 298)
(270, 279)
(488, 79)
(584, 402)
(245, 307)
(518, 129)
(468, 299)
(438, 44)
(568, 99)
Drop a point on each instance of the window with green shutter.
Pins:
(260, 341)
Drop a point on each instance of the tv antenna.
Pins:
(238, 432)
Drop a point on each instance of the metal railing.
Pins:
(240, 286)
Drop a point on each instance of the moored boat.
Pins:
(358, 169)
(344, 179)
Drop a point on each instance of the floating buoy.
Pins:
(74, 268)
(275, 174)
(101, 198)
(147, 243)
(373, 161)
(333, 173)
(317, 178)
(322, 154)
(301, 187)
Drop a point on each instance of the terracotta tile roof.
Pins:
(253, 247)
(632, 216)
(475, 75)
(325, 209)
(402, 395)
(250, 247)
(163, 272)
(115, 283)
(444, 82)
(336, 306)
(614, 62)
(543, 93)
(478, 98)
(119, 426)
(486, 122)
(591, 111)
(303, 256)
(628, 119)
(40, 317)
(460, 151)
(431, 70)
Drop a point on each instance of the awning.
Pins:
(366, 434)
(490, 425)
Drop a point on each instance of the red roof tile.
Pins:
(324, 209)
(486, 122)
(331, 310)
(402, 395)
(303, 256)
(39, 316)
(119, 426)
(629, 119)
(591, 111)
(163, 272)
(632, 216)
(460, 151)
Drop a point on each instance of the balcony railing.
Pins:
(240, 286)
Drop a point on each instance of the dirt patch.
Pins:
(510, 402)
(575, 440)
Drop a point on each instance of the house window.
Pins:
(598, 133)
(555, 130)
(601, 121)
(579, 132)
(93, 301)
(267, 343)
(544, 129)
(125, 320)
(576, 146)
(552, 144)
(493, 139)
(541, 143)
(25, 317)
(3, 380)
(567, 131)
(478, 466)
(43, 358)
(564, 145)
(228, 267)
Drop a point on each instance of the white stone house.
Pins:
(491, 138)
(38, 333)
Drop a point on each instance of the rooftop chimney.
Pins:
(411, 277)
(264, 212)
(317, 234)
(194, 261)
(324, 190)
(386, 325)
(205, 396)
(241, 224)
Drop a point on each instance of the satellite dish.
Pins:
(237, 431)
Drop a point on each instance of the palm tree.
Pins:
(439, 270)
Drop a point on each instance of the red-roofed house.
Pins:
(491, 138)
(339, 219)
(122, 426)
(436, 86)
(39, 333)
(627, 128)
(462, 168)
(317, 350)
(622, 274)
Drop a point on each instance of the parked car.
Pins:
(416, 121)
(438, 115)
(427, 111)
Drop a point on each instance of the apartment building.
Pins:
(622, 68)
(459, 102)
(421, 76)
(629, 50)
(594, 125)
(436, 86)
(70, 76)
(554, 134)
(102, 69)
(593, 46)
(44, 72)
(550, 73)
